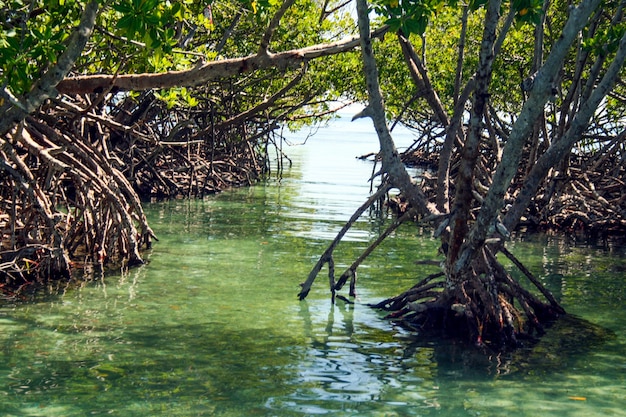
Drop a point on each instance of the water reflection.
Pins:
(212, 325)
(348, 368)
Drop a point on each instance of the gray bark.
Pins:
(422, 80)
(392, 164)
(397, 176)
(461, 55)
(459, 224)
(213, 70)
(271, 28)
(540, 91)
(327, 256)
(559, 149)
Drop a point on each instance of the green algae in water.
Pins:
(211, 326)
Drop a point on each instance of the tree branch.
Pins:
(265, 104)
(271, 28)
(469, 155)
(85, 84)
(540, 92)
(421, 79)
(327, 255)
(560, 148)
(392, 164)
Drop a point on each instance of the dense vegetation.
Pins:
(517, 108)
(508, 148)
(201, 110)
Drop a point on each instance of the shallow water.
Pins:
(212, 325)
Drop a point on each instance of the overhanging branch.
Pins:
(85, 84)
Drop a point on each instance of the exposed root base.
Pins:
(484, 307)
(441, 322)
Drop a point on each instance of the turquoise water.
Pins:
(211, 326)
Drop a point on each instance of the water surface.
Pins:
(212, 325)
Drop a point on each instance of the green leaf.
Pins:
(417, 26)
(123, 8)
(124, 23)
(152, 19)
(150, 6)
(155, 41)
(191, 101)
(476, 4)
(135, 26)
(52, 57)
(394, 24)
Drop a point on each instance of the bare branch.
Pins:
(540, 92)
(559, 148)
(327, 255)
(392, 164)
(213, 70)
(267, 36)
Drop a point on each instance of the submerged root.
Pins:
(74, 173)
(62, 202)
(486, 307)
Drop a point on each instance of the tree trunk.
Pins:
(460, 217)
(475, 298)
(541, 89)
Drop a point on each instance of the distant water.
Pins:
(211, 326)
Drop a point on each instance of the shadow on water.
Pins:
(567, 343)
(212, 325)
(156, 369)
